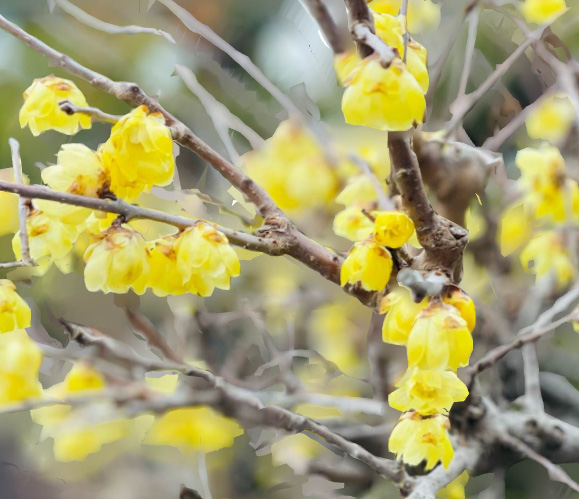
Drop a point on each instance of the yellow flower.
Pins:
(41, 111)
(49, 238)
(386, 99)
(549, 255)
(542, 11)
(423, 15)
(139, 153)
(194, 429)
(455, 489)
(20, 360)
(392, 228)
(164, 277)
(358, 191)
(205, 259)
(551, 120)
(515, 228)
(78, 171)
(427, 392)
(115, 260)
(9, 205)
(548, 193)
(368, 264)
(14, 311)
(465, 306)
(281, 165)
(439, 339)
(75, 437)
(345, 63)
(391, 30)
(415, 439)
(352, 224)
(401, 311)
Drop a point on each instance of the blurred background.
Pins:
(300, 309)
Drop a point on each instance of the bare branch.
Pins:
(25, 258)
(92, 22)
(463, 104)
(443, 241)
(130, 212)
(321, 14)
(196, 26)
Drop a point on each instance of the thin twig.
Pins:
(196, 26)
(494, 143)
(93, 22)
(473, 19)
(555, 472)
(532, 336)
(464, 104)
(404, 13)
(25, 257)
(94, 112)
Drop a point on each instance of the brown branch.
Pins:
(131, 211)
(443, 241)
(361, 24)
(321, 14)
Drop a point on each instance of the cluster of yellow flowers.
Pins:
(387, 98)
(20, 358)
(77, 434)
(283, 164)
(369, 262)
(549, 199)
(437, 335)
(137, 156)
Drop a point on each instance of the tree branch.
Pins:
(443, 241)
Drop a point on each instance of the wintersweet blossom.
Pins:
(14, 311)
(383, 98)
(439, 339)
(139, 153)
(50, 239)
(551, 120)
(75, 437)
(427, 392)
(542, 11)
(115, 260)
(401, 312)
(192, 428)
(41, 110)
(205, 259)
(550, 256)
(392, 228)
(291, 155)
(352, 224)
(415, 439)
(391, 30)
(464, 304)
(368, 264)
(423, 15)
(20, 360)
